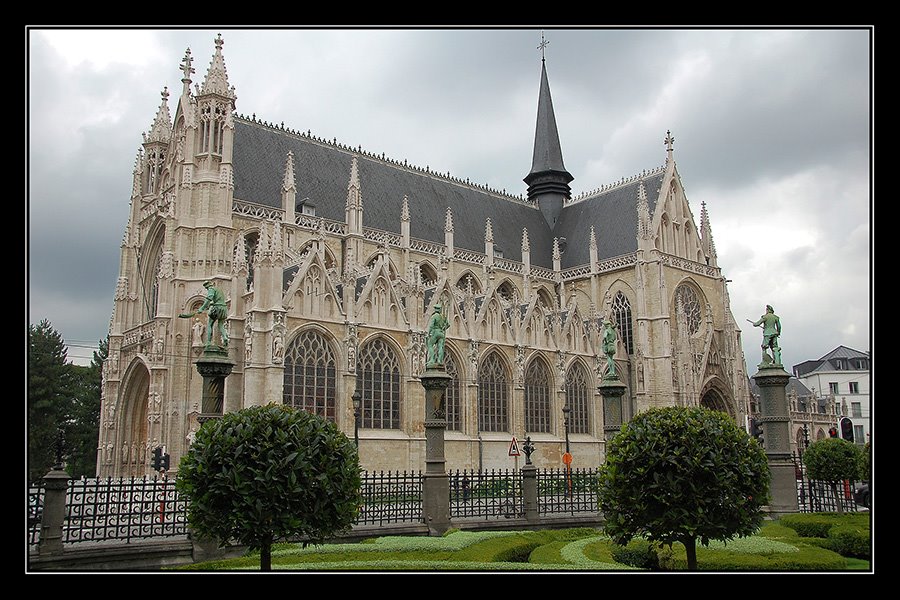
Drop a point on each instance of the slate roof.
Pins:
(612, 213)
(322, 172)
(828, 362)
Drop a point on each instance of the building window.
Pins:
(310, 371)
(577, 399)
(854, 387)
(859, 436)
(537, 398)
(493, 394)
(621, 309)
(687, 304)
(856, 409)
(452, 403)
(833, 387)
(380, 372)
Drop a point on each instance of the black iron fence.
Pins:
(124, 510)
(486, 494)
(567, 491)
(391, 498)
(823, 496)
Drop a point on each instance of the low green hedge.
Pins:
(849, 540)
(807, 558)
(637, 553)
(819, 524)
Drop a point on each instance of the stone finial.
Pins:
(593, 240)
(287, 183)
(526, 245)
(404, 209)
(448, 221)
(488, 231)
(557, 255)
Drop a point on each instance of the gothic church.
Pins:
(332, 259)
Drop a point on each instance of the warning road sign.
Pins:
(514, 448)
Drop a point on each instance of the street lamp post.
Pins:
(357, 403)
(567, 457)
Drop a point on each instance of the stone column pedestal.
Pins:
(437, 483)
(214, 366)
(774, 420)
(54, 511)
(612, 390)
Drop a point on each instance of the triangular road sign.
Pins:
(514, 447)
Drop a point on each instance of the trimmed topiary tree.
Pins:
(269, 472)
(682, 474)
(833, 460)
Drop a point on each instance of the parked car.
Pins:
(862, 495)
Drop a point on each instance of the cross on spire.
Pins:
(669, 141)
(186, 67)
(544, 43)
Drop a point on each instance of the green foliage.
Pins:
(83, 428)
(805, 558)
(832, 459)
(847, 534)
(848, 540)
(567, 549)
(675, 474)
(270, 472)
(48, 378)
(637, 553)
(865, 463)
(63, 406)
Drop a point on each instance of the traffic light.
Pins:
(832, 432)
(156, 463)
(165, 462)
(847, 429)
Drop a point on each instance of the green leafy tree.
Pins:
(269, 472)
(83, 427)
(833, 460)
(48, 379)
(682, 474)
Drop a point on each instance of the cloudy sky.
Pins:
(772, 131)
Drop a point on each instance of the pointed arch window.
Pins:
(380, 372)
(621, 309)
(537, 397)
(493, 394)
(687, 304)
(577, 394)
(310, 375)
(452, 399)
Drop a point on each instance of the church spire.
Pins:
(161, 130)
(216, 81)
(548, 181)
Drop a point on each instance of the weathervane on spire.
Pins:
(543, 44)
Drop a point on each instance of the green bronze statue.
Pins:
(771, 325)
(217, 311)
(437, 337)
(609, 347)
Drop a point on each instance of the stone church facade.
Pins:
(332, 260)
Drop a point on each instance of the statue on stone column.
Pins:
(437, 337)
(771, 325)
(217, 311)
(609, 347)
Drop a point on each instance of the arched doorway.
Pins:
(133, 444)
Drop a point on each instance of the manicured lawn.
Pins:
(775, 548)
